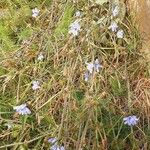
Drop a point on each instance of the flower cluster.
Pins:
(22, 109)
(92, 67)
(55, 145)
(114, 26)
(130, 120)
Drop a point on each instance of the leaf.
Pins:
(63, 24)
(78, 95)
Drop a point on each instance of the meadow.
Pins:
(72, 77)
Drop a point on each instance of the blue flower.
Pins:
(86, 76)
(97, 65)
(35, 85)
(35, 12)
(22, 109)
(52, 140)
(74, 28)
(115, 11)
(131, 120)
(113, 26)
(55, 145)
(90, 67)
(93, 66)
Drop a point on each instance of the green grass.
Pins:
(82, 115)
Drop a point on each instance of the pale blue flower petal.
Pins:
(35, 85)
(22, 109)
(74, 28)
(86, 76)
(113, 26)
(57, 147)
(115, 11)
(17, 108)
(52, 140)
(90, 67)
(97, 65)
(131, 120)
(35, 12)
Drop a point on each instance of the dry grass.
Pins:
(82, 115)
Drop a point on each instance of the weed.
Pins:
(44, 67)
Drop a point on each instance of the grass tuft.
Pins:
(80, 114)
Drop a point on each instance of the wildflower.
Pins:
(55, 145)
(52, 140)
(74, 28)
(78, 14)
(40, 57)
(130, 120)
(35, 12)
(115, 11)
(97, 65)
(113, 26)
(22, 109)
(35, 85)
(120, 34)
(90, 67)
(86, 76)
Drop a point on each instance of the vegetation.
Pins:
(81, 114)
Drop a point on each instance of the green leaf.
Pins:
(78, 95)
(63, 24)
